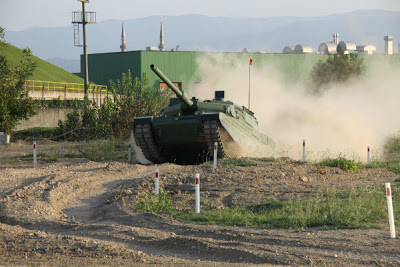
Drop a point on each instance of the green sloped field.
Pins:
(44, 71)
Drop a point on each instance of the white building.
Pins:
(348, 47)
(327, 48)
(388, 45)
(288, 50)
(303, 49)
(366, 49)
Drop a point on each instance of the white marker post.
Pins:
(129, 152)
(215, 154)
(34, 155)
(304, 150)
(390, 210)
(368, 156)
(156, 183)
(197, 192)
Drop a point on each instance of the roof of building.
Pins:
(327, 48)
(364, 48)
(303, 48)
(347, 46)
(288, 50)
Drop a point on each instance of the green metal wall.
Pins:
(110, 66)
(177, 66)
(181, 66)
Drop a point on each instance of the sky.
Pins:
(17, 15)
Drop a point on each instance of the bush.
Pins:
(342, 163)
(114, 118)
(338, 68)
(392, 148)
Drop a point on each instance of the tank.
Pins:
(186, 130)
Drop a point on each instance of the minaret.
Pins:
(161, 46)
(123, 40)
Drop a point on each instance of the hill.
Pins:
(44, 71)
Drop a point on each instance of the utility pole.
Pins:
(86, 72)
(250, 64)
(83, 18)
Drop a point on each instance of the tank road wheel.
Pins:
(144, 137)
(211, 133)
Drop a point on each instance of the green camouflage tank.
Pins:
(185, 131)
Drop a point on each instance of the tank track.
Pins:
(211, 134)
(145, 139)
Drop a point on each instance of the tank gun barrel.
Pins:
(178, 92)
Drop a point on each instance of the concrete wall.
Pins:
(44, 118)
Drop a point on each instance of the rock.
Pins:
(304, 179)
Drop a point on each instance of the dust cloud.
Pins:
(341, 122)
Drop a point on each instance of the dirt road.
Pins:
(79, 212)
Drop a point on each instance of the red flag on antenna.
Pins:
(251, 62)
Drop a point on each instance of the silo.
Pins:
(388, 45)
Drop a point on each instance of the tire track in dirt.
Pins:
(88, 201)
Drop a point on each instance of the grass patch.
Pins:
(44, 71)
(393, 166)
(342, 163)
(37, 132)
(267, 159)
(352, 209)
(103, 150)
(72, 155)
(240, 162)
(155, 203)
(97, 150)
(47, 157)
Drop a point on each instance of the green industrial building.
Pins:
(182, 66)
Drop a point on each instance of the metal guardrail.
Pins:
(47, 87)
(63, 91)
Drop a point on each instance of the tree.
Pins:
(15, 103)
(131, 98)
(338, 68)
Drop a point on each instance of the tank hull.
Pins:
(190, 139)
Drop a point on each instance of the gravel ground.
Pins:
(77, 212)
